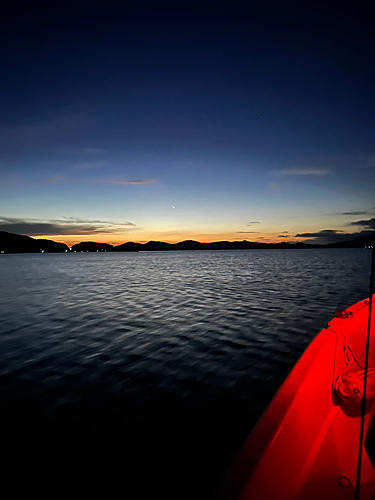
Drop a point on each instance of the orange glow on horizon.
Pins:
(116, 239)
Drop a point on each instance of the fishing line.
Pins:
(363, 403)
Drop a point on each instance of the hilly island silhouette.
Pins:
(17, 243)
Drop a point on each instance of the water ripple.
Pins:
(116, 340)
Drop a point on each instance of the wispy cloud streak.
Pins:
(80, 165)
(319, 234)
(303, 171)
(64, 226)
(136, 182)
(93, 150)
(354, 212)
(331, 236)
(369, 223)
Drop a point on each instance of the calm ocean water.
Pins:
(146, 371)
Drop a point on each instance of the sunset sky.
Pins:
(120, 124)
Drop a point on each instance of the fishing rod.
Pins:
(363, 403)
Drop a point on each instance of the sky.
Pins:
(166, 122)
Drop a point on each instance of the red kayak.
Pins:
(306, 445)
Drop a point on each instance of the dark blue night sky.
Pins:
(161, 123)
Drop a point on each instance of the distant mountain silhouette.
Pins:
(129, 247)
(360, 242)
(16, 243)
(91, 246)
(49, 246)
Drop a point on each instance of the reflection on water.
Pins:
(148, 370)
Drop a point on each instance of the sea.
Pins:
(140, 375)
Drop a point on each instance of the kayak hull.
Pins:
(306, 444)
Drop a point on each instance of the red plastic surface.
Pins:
(306, 444)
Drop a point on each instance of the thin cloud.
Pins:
(93, 221)
(86, 165)
(253, 222)
(369, 223)
(68, 226)
(283, 236)
(254, 232)
(93, 150)
(303, 171)
(274, 187)
(136, 182)
(54, 179)
(40, 133)
(354, 212)
(331, 236)
(319, 234)
(80, 165)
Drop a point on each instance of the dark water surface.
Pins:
(138, 375)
